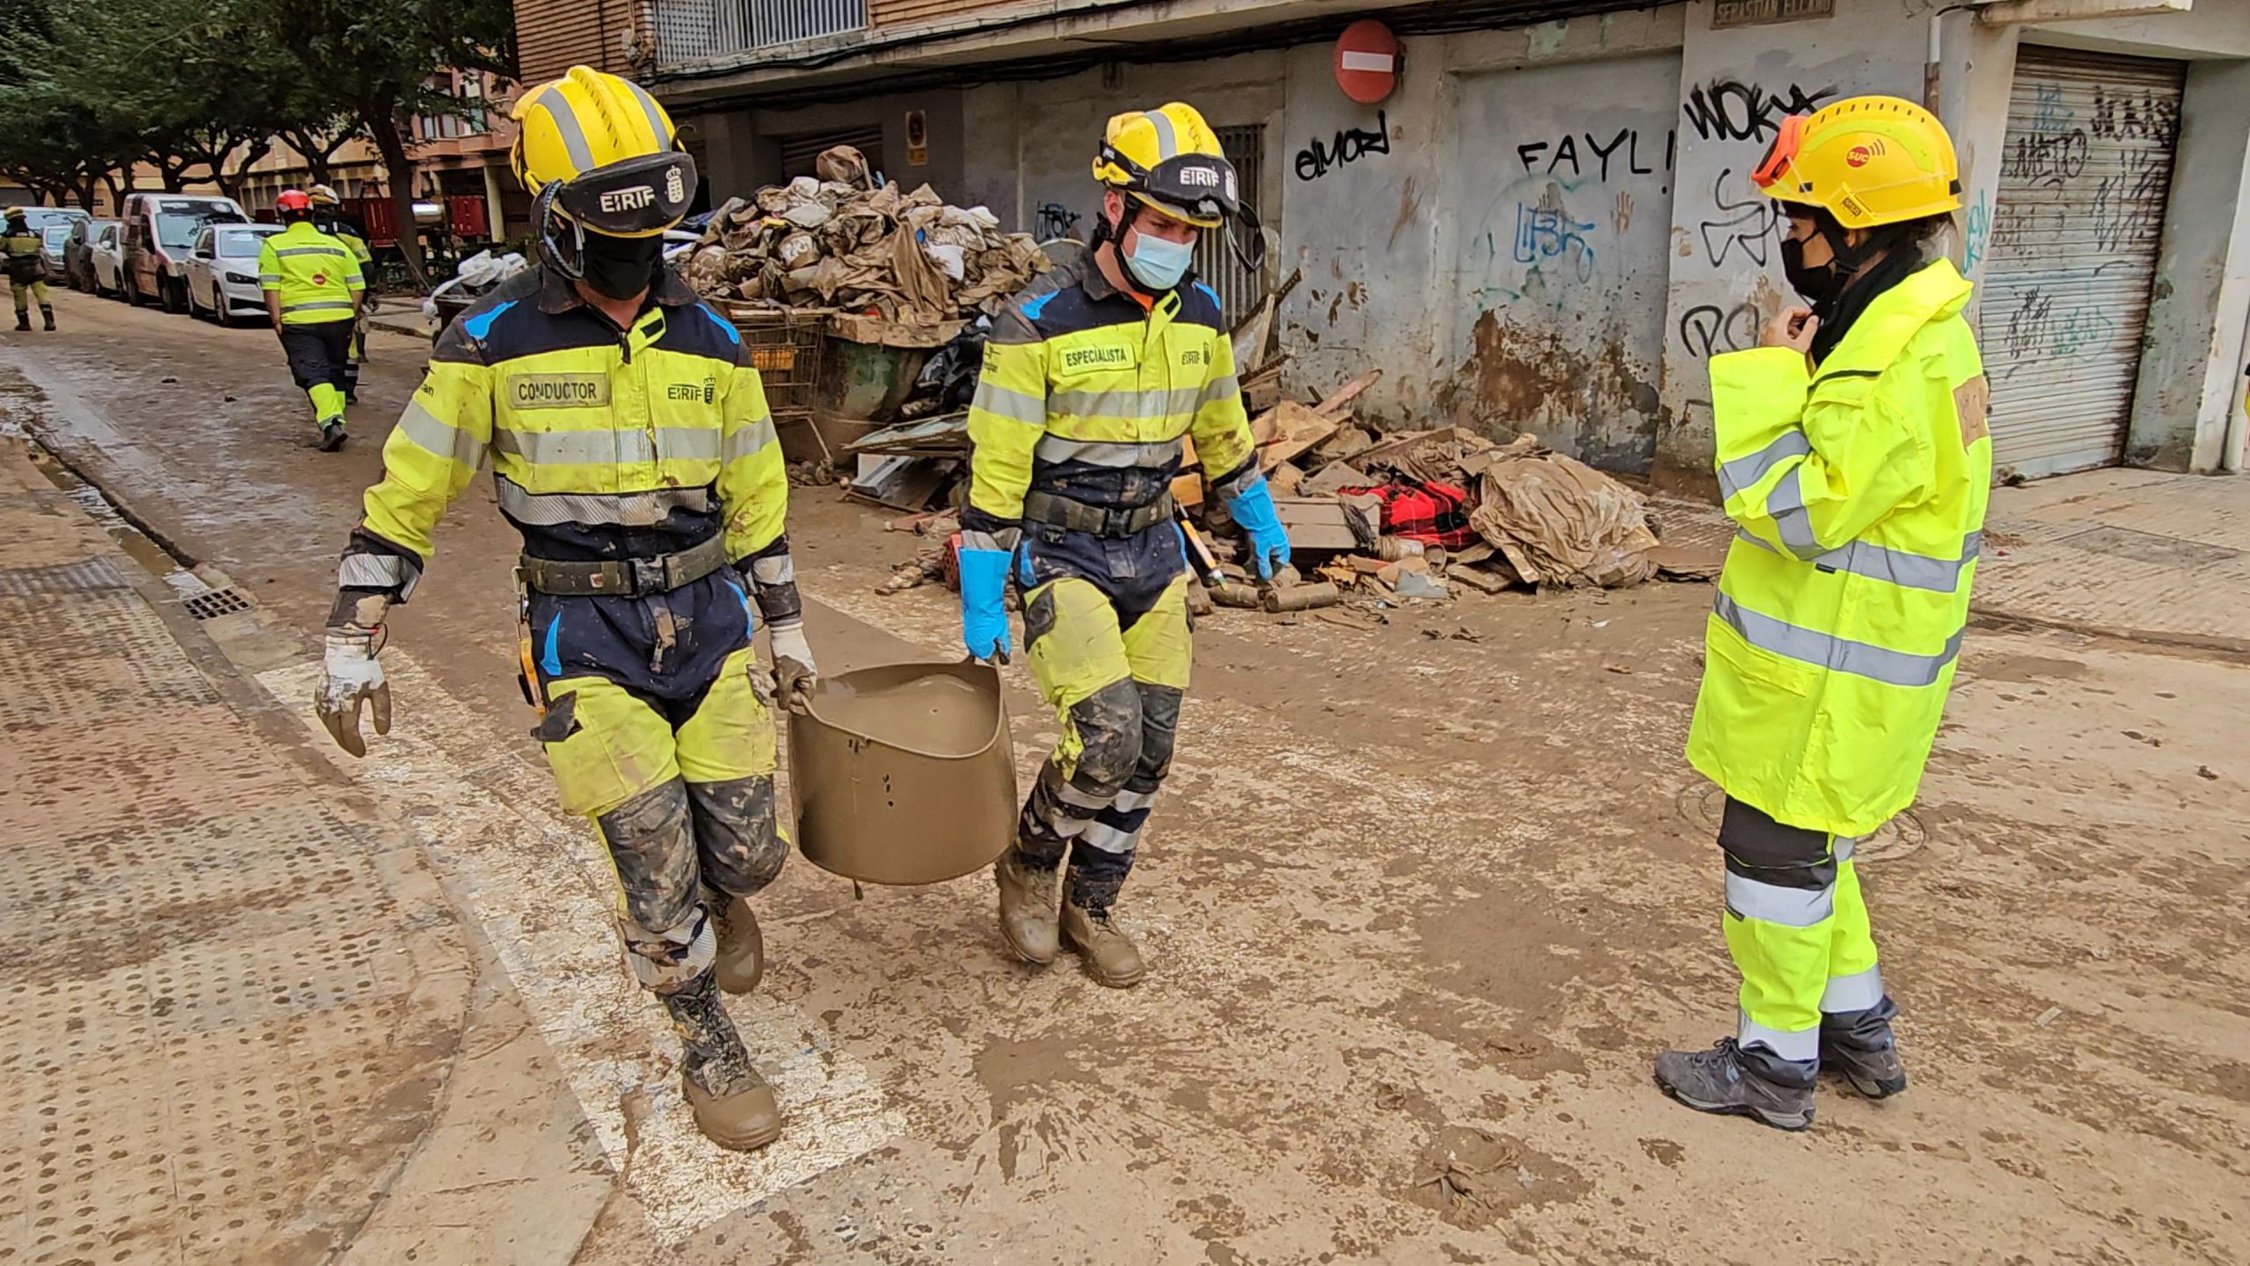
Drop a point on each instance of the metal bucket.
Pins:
(904, 774)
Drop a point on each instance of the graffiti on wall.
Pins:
(1744, 226)
(1976, 231)
(1349, 145)
(1631, 154)
(1730, 110)
(1708, 329)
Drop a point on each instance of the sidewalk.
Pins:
(2142, 554)
(234, 1001)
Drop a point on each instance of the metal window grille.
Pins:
(1240, 289)
(690, 31)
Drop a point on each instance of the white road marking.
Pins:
(541, 885)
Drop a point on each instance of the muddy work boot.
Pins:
(1719, 1080)
(1873, 1070)
(733, 1105)
(331, 436)
(1110, 956)
(47, 314)
(742, 948)
(23, 319)
(1027, 907)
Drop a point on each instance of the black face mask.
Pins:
(1818, 285)
(621, 267)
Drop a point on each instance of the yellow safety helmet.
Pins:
(1169, 158)
(602, 153)
(1867, 161)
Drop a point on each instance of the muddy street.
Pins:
(1420, 901)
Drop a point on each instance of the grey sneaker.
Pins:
(1718, 1081)
(1874, 1071)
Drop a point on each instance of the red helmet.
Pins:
(293, 200)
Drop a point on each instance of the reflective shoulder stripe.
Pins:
(1221, 388)
(434, 434)
(1837, 654)
(1744, 472)
(1011, 404)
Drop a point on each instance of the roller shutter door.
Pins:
(2076, 223)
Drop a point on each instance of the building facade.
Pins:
(1547, 224)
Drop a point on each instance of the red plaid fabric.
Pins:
(1432, 513)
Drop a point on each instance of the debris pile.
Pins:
(839, 242)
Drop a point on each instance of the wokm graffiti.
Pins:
(1727, 109)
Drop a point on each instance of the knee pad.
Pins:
(653, 848)
(1160, 728)
(740, 844)
(1109, 727)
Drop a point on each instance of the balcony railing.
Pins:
(695, 32)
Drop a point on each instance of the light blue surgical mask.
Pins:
(1159, 264)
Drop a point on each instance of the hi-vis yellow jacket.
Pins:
(1081, 385)
(605, 444)
(317, 276)
(1860, 488)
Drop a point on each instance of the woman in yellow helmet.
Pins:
(1852, 453)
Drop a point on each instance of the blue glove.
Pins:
(984, 611)
(1252, 507)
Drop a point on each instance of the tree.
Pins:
(376, 58)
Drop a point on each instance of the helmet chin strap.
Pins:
(543, 227)
(1114, 236)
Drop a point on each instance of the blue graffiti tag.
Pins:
(1977, 232)
(1546, 233)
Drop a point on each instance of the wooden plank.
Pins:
(1350, 391)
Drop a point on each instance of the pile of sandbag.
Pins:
(838, 242)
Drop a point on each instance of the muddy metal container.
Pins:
(904, 774)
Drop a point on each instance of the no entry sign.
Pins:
(1367, 62)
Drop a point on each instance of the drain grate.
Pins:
(214, 603)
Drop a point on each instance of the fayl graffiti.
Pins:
(1624, 149)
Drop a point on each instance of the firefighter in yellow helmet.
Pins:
(632, 448)
(1091, 379)
(1852, 453)
(328, 217)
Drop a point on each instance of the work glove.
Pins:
(984, 611)
(353, 675)
(794, 673)
(1252, 506)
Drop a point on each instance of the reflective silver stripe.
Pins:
(656, 128)
(1069, 794)
(1743, 472)
(745, 440)
(1801, 1046)
(628, 509)
(1107, 838)
(1143, 405)
(285, 253)
(1856, 992)
(431, 434)
(317, 305)
(1774, 903)
(1786, 503)
(1129, 801)
(1124, 456)
(566, 124)
(584, 448)
(773, 571)
(370, 571)
(1910, 571)
(1167, 140)
(1004, 402)
(1841, 847)
(1822, 650)
(1219, 389)
(269, 279)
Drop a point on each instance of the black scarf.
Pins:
(1839, 314)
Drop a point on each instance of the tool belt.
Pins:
(625, 578)
(1077, 516)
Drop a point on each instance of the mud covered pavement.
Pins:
(1420, 903)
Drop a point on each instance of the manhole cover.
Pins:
(1700, 804)
(214, 603)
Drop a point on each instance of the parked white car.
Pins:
(108, 257)
(222, 271)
